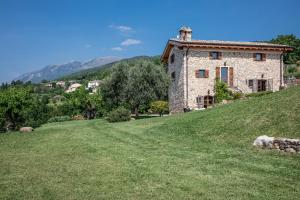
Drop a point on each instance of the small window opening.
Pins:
(173, 76)
(172, 58)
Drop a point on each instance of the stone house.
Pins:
(194, 66)
(73, 87)
(61, 84)
(94, 85)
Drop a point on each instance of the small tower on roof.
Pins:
(185, 33)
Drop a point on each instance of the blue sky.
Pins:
(35, 33)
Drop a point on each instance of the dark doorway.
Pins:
(208, 101)
(261, 85)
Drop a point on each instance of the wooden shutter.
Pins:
(206, 73)
(217, 72)
(231, 76)
(254, 56)
(197, 73)
(210, 55)
(263, 57)
(220, 55)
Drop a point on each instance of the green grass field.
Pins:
(199, 155)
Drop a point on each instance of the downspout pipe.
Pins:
(281, 69)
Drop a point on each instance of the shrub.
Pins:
(78, 117)
(292, 69)
(258, 94)
(159, 107)
(221, 91)
(237, 95)
(59, 119)
(118, 115)
(297, 74)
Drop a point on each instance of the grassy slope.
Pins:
(200, 155)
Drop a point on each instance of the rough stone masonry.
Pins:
(280, 144)
(194, 65)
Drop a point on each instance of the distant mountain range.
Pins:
(104, 70)
(52, 72)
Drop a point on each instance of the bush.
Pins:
(66, 108)
(237, 95)
(221, 91)
(297, 75)
(159, 107)
(292, 69)
(118, 115)
(78, 117)
(258, 94)
(59, 119)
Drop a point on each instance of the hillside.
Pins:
(103, 71)
(52, 72)
(198, 155)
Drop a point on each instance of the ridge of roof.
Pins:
(222, 42)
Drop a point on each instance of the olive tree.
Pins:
(146, 82)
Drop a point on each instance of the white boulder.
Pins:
(26, 129)
(264, 141)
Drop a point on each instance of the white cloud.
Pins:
(122, 28)
(87, 46)
(117, 49)
(129, 42)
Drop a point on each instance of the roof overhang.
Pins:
(227, 46)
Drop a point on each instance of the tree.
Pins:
(134, 85)
(38, 112)
(45, 99)
(290, 40)
(53, 84)
(93, 106)
(28, 83)
(15, 83)
(4, 86)
(81, 102)
(146, 82)
(113, 87)
(76, 101)
(14, 102)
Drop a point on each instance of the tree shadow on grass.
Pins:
(145, 117)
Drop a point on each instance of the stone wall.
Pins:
(176, 90)
(244, 68)
(187, 87)
(280, 144)
(287, 145)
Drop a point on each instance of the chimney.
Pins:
(185, 33)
